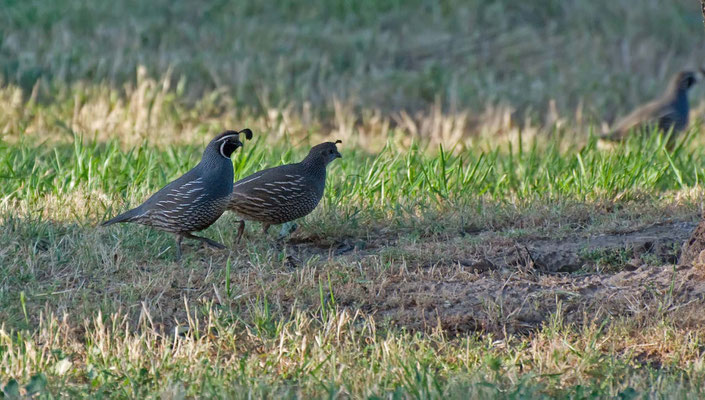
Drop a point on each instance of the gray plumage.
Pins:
(670, 111)
(197, 199)
(284, 193)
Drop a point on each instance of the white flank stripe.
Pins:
(248, 181)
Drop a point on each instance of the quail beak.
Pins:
(237, 143)
(338, 155)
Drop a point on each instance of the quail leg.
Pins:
(240, 231)
(287, 229)
(209, 242)
(265, 228)
(179, 239)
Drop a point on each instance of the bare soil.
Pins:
(512, 286)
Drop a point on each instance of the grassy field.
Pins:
(473, 241)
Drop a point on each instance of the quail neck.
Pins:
(315, 166)
(681, 102)
(677, 95)
(216, 167)
(679, 86)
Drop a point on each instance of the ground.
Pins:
(475, 240)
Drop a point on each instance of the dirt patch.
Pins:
(517, 303)
(660, 241)
(506, 286)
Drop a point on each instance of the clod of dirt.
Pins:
(692, 250)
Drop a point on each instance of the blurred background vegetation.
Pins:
(327, 63)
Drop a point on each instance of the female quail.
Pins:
(197, 199)
(284, 193)
(670, 111)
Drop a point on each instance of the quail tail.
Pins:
(127, 216)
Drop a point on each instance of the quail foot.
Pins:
(285, 193)
(197, 199)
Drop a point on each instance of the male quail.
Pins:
(284, 193)
(197, 199)
(670, 111)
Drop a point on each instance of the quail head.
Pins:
(668, 112)
(284, 193)
(197, 199)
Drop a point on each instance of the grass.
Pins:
(533, 169)
(473, 241)
(306, 356)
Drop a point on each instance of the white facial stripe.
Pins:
(236, 136)
(224, 139)
(222, 145)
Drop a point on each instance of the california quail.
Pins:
(284, 193)
(670, 111)
(197, 199)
